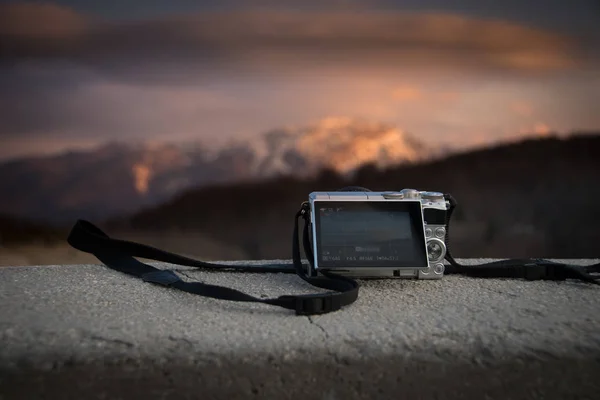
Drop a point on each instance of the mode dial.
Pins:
(411, 193)
(393, 195)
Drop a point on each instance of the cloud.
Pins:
(39, 21)
(68, 79)
(76, 104)
(541, 129)
(415, 94)
(522, 108)
(51, 143)
(538, 129)
(281, 41)
(407, 93)
(40, 104)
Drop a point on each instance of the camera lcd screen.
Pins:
(369, 234)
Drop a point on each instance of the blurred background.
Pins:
(200, 126)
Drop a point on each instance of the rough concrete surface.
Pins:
(85, 331)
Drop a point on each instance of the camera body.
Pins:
(392, 234)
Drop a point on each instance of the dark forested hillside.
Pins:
(18, 231)
(535, 198)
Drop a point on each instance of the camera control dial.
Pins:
(411, 193)
(393, 195)
(436, 250)
(432, 196)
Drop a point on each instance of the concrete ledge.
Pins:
(86, 332)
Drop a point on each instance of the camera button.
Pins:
(440, 232)
(428, 232)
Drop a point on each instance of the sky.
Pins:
(78, 73)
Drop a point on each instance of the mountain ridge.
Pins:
(515, 200)
(121, 177)
(531, 198)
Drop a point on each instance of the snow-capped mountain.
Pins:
(341, 144)
(120, 178)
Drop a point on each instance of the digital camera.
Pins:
(363, 234)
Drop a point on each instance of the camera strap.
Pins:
(120, 255)
(528, 269)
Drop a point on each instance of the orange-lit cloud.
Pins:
(522, 108)
(538, 129)
(448, 97)
(142, 175)
(541, 129)
(407, 93)
(412, 93)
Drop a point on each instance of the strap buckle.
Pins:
(317, 304)
(543, 271)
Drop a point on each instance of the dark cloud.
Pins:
(36, 99)
(281, 40)
(69, 101)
